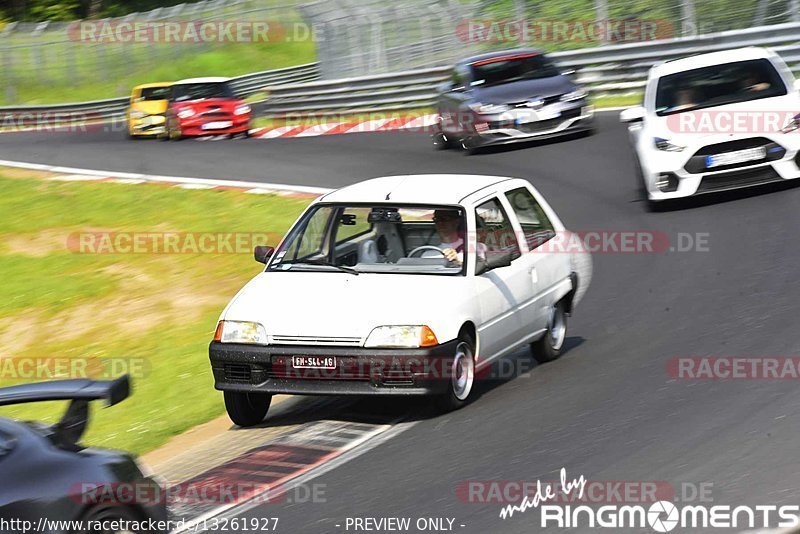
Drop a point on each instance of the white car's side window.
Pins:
(494, 230)
(536, 227)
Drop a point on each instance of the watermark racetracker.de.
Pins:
(546, 241)
(146, 242)
(734, 368)
(64, 367)
(563, 30)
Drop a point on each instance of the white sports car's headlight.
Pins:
(666, 145)
(578, 94)
(792, 125)
(488, 109)
(401, 337)
(240, 332)
(241, 110)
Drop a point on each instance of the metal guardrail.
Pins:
(613, 69)
(115, 107)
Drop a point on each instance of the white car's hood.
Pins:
(680, 128)
(333, 304)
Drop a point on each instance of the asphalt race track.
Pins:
(607, 409)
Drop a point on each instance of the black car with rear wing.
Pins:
(50, 478)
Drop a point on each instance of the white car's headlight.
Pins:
(665, 145)
(136, 114)
(792, 125)
(240, 332)
(185, 113)
(488, 109)
(578, 94)
(241, 110)
(401, 337)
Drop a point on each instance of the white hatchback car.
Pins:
(717, 121)
(402, 285)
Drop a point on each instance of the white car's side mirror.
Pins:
(797, 84)
(634, 114)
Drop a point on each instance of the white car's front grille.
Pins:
(316, 340)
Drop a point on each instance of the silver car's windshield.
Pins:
(375, 239)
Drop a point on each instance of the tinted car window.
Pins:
(536, 227)
(718, 85)
(156, 93)
(198, 91)
(497, 71)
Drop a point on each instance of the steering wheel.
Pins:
(423, 248)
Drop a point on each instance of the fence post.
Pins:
(794, 10)
(601, 15)
(688, 24)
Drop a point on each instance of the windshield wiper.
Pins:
(326, 263)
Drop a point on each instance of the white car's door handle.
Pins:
(534, 275)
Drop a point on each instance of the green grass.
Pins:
(90, 83)
(612, 101)
(155, 310)
(55, 66)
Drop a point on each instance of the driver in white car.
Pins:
(450, 227)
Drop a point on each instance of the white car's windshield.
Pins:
(718, 85)
(376, 239)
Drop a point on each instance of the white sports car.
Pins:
(717, 121)
(404, 285)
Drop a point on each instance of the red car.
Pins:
(206, 106)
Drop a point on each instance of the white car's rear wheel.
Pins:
(548, 348)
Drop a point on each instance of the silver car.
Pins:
(506, 97)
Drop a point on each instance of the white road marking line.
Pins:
(168, 179)
(195, 186)
(260, 191)
(127, 181)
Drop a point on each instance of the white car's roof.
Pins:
(208, 79)
(707, 60)
(413, 189)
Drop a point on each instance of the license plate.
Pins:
(313, 362)
(216, 125)
(739, 156)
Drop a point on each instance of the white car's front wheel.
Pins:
(247, 409)
(461, 375)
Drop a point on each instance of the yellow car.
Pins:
(147, 112)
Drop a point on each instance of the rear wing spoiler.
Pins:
(112, 391)
(67, 432)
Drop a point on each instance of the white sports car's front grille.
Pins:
(316, 340)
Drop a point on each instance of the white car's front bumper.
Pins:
(669, 175)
